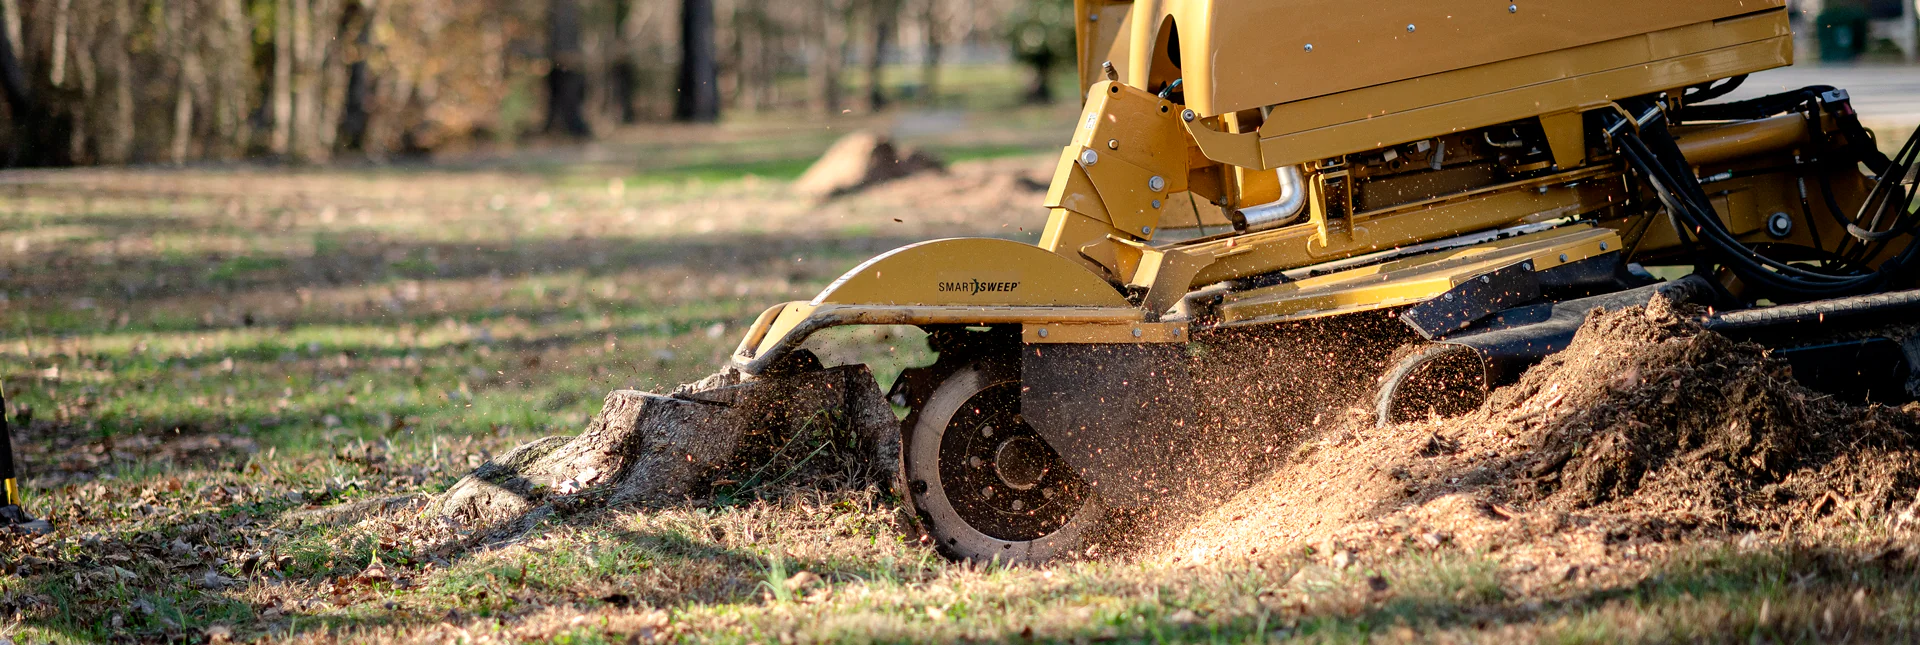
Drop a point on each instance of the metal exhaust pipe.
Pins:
(1278, 213)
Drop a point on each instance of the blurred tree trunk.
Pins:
(230, 83)
(282, 140)
(930, 24)
(831, 42)
(750, 42)
(1041, 92)
(625, 76)
(357, 21)
(27, 144)
(182, 47)
(111, 126)
(566, 82)
(884, 17)
(699, 97)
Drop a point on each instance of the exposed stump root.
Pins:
(656, 449)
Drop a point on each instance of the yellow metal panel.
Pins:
(1083, 333)
(1125, 192)
(1413, 279)
(1566, 138)
(1241, 54)
(1570, 193)
(1073, 190)
(1098, 26)
(1520, 103)
(795, 321)
(1721, 143)
(1519, 73)
(1144, 129)
(972, 272)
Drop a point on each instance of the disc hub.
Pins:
(1021, 462)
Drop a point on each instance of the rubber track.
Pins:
(1817, 312)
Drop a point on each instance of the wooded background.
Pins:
(171, 81)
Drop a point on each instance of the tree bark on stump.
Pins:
(654, 449)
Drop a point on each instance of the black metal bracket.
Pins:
(1474, 300)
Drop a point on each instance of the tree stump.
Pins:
(652, 449)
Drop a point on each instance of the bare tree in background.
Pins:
(699, 97)
(153, 81)
(623, 80)
(357, 22)
(830, 33)
(883, 16)
(566, 82)
(931, 23)
(1041, 34)
(31, 137)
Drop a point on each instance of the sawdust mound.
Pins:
(1647, 430)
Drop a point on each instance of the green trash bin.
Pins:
(1843, 33)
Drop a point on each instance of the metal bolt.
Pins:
(1043, 332)
(1409, 29)
(1156, 203)
(1187, 115)
(1093, 17)
(1563, 257)
(1513, 8)
(1780, 224)
(1176, 332)
(1156, 183)
(1113, 144)
(1446, 296)
(1146, 230)
(1137, 333)
(1089, 157)
(1603, 246)
(1486, 279)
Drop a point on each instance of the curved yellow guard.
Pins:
(974, 281)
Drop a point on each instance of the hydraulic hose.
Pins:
(1654, 154)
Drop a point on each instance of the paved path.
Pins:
(1880, 92)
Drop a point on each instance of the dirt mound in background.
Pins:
(860, 160)
(1646, 430)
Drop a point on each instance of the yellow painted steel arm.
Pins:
(969, 281)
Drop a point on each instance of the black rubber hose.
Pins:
(1708, 91)
(1662, 163)
(1751, 109)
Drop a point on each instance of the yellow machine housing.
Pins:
(1260, 89)
(1256, 163)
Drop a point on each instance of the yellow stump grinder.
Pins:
(1479, 175)
(1420, 197)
